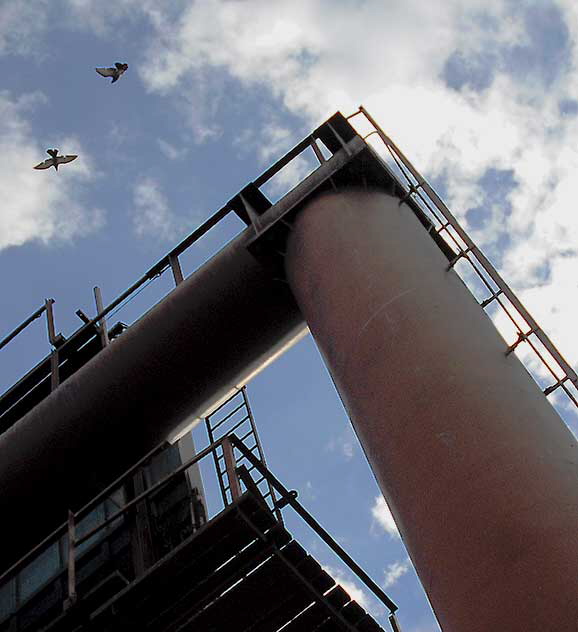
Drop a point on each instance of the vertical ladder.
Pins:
(236, 417)
(552, 373)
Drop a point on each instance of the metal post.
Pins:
(252, 213)
(230, 466)
(71, 560)
(54, 374)
(317, 151)
(393, 622)
(176, 268)
(50, 320)
(102, 323)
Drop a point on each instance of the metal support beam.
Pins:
(102, 322)
(176, 269)
(230, 468)
(71, 560)
(50, 320)
(317, 151)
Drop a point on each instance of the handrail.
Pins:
(289, 498)
(158, 268)
(60, 530)
(171, 258)
(472, 249)
(22, 326)
(108, 490)
(286, 498)
(228, 443)
(152, 489)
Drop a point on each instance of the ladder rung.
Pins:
(222, 421)
(491, 298)
(237, 424)
(552, 388)
(241, 439)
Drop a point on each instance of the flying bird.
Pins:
(55, 160)
(115, 72)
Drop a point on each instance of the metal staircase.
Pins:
(239, 570)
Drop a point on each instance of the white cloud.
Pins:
(170, 151)
(152, 215)
(42, 206)
(20, 25)
(296, 50)
(352, 589)
(395, 65)
(345, 443)
(393, 572)
(382, 515)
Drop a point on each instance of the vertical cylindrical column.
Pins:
(480, 472)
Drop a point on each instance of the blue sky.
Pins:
(482, 96)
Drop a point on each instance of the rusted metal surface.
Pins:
(478, 469)
(445, 223)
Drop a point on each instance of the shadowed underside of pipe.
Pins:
(212, 332)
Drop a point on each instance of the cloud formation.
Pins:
(382, 515)
(393, 572)
(464, 90)
(152, 216)
(352, 589)
(40, 206)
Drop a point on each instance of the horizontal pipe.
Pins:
(203, 341)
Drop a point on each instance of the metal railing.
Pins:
(562, 375)
(235, 416)
(171, 261)
(444, 223)
(69, 529)
(239, 478)
(289, 498)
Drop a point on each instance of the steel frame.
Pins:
(417, 189)
(236, 474)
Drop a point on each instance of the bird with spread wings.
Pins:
(55, 160)
(116, 72)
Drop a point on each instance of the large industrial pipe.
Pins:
(215, 330)
(479, 471)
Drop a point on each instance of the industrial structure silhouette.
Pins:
(478, 468)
